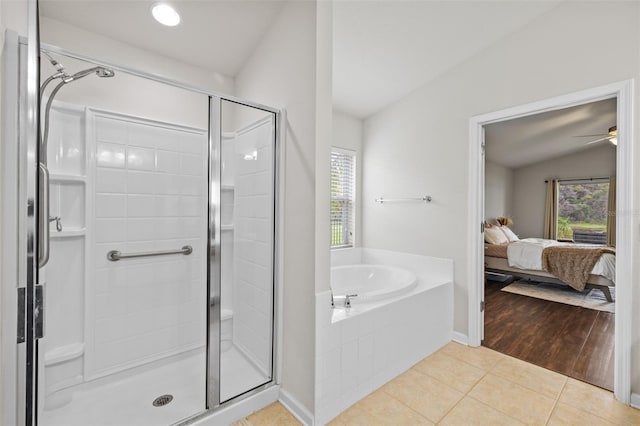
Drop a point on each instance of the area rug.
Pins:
(590, 298)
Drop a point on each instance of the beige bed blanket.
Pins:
(573, 265)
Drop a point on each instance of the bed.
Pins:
(522, 259)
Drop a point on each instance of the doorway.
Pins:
(622, 92)
(533, 317)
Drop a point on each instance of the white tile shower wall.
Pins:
(357, 355)
(149, 195)
(253, 273)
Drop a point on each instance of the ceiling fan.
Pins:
(611, 136)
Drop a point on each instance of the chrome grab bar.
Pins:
(115, 255)
(426, 199)
(43, 215)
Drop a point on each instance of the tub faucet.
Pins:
(347, 299)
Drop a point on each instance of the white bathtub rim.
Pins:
(408, 283)
(340, 313)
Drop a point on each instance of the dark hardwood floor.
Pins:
(571, 340)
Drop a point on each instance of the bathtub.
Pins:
(370, 283)
(402, 314)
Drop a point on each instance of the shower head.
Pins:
(100, 72)
(65, 78)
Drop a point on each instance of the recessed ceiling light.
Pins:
(165, 14)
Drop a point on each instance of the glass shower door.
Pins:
(242, 272)
(125, 331)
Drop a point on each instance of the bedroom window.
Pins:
(343, 183)
(583, 210)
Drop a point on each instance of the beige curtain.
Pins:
(611, 213)
(551, 211)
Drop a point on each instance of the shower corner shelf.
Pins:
(59, 177)
(68, 233)
(227, 187)
(63, 353)
(226, 227)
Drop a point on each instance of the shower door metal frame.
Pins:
(214, 265)
(214, 282)
(27, 352)
(28, 313)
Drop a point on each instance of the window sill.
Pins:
(342, 247)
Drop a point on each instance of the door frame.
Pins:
(623, 92)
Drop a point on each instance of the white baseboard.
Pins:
(463, 339)
(635, 400)
(296, 408)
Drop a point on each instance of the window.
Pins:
(343, 183)
(582, 210)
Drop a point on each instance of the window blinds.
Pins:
(343, 166)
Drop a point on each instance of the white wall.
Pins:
(529, 188)
(126, 93)
(324, 130)
(553, 55)
(80, 41)
(498, 191)
(282, 72)
(347, 134)
(13, 16)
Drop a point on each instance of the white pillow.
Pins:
(511, 236)
(494, 235)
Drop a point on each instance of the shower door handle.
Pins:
(43, 215)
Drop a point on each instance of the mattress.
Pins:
(502, 265)
(496, 250)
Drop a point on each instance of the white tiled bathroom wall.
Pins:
(149, 194)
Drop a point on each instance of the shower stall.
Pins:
(146, 229)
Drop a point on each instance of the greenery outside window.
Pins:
(582, 210)
(343, 183)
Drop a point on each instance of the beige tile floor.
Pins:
(459, 385)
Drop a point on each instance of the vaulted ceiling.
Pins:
(527, 140)
(218, 35)
(382, 51)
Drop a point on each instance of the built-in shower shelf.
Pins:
(226, 227)
(227, 187)
(58, 177)
(63, 353)
(68, 233)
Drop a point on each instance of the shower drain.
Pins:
(162, 400)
